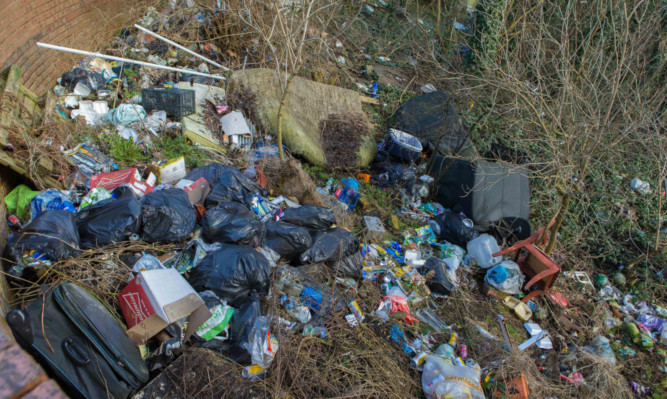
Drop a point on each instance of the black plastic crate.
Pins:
(177, 103)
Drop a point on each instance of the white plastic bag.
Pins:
(441, 379)
(505, 277)
(261, 345)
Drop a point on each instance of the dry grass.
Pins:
(101, 270)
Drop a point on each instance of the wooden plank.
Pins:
(368, 100)
(20, 168)
(8, 104)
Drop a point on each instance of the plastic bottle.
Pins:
(482, 249)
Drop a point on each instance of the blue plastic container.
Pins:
(403, 146)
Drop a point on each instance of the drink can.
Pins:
(452, 339)
(463, 351)
(419, 359)
(253, 372)
(13, 221)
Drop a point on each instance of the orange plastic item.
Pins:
(516, 389)
(534, 263)
(364, 177)
(261, 177)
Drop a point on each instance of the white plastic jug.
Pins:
(482, 249)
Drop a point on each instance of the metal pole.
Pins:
(164, 39)
(120, 59)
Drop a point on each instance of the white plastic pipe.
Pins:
(129, 61)
(164, 39)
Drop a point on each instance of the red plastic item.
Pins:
(400, 304)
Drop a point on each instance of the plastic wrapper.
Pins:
(443, 380)
(600, 346)
(50, 200)
(453, 229)
(286, 239)
(313, 218)
(52, 233)
(232, 185)
(217, 326)
(108, 221)
(350, 266)
(232, 273)
(261, 344)
(331, 245)
(94, 196)
(505, 277)
(653, 323)
(233, 223)
(167, 216)
(190, 257)
(147, 262)
(445, 280)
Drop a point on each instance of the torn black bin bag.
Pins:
(233, 186)
(240, 326)
(331, 245)
(122, 192)
(167, 216)
(288, 240)
(52, 233)
(314, 218)
(232, 273)
(349, 266)
(443, 283)
(108, 221)
(91, 79)
(210, 172)
(232, 223)
(452, 229)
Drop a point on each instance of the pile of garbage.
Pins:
(210, 260)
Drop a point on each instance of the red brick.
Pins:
(19, 373)
(48, 389)
(72, 23)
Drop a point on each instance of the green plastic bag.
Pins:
(18, 201)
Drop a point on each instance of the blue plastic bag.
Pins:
(50, 200)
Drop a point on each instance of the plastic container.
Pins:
(176, 102)
(482, 249)
(403, 146)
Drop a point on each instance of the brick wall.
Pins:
(81, 24)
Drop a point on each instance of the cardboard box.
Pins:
(198, 191)
(156, 298)
(171, 172)
(126, 177)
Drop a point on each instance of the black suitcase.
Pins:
(75, 337)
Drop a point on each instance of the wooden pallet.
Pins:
(19, 108)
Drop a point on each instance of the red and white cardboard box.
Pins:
(126, 177)
(156, 298)
(198, 191)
